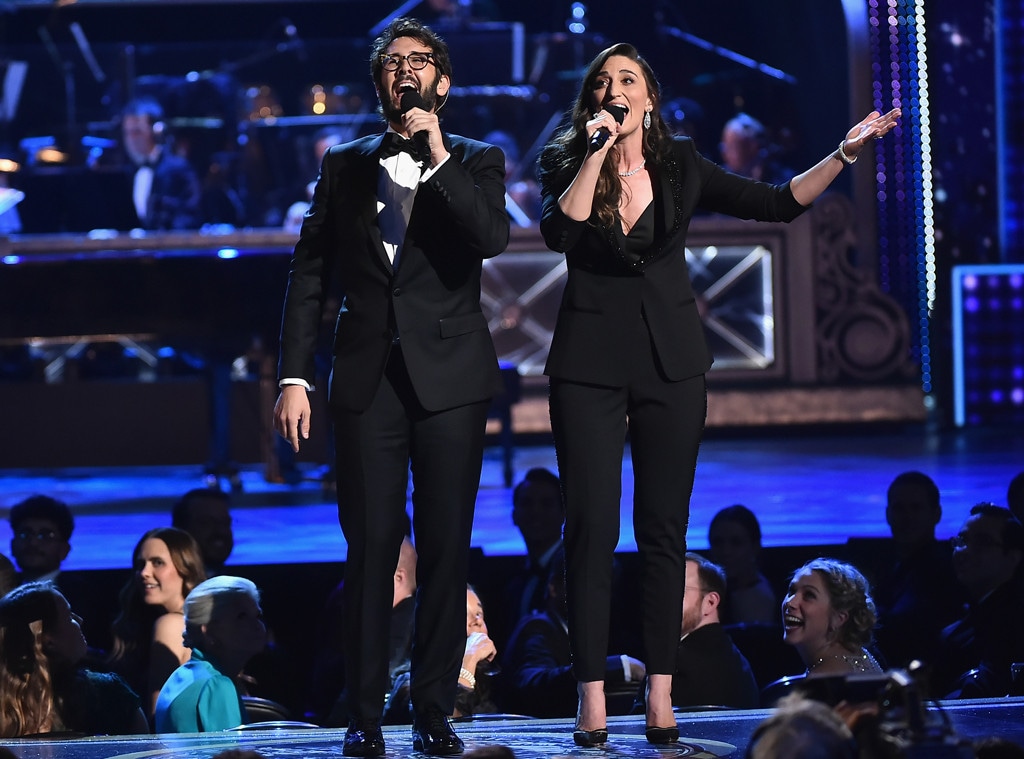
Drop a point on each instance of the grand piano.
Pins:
(213, 290)
(175, 308)
(209, 299)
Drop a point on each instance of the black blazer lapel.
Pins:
(368, 176)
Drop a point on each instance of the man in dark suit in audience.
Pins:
(536, 668)
(205, 514)
(537, 512)
(914, 586)
(710, 670)
(976, 652)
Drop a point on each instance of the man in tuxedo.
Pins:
(401, 222)
(165, 188)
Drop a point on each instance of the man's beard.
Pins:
(394, 115)
(691, 620)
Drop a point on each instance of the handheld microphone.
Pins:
(421, 139)
(600, 137)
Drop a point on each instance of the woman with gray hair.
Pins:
(224, 628)
(828, 616)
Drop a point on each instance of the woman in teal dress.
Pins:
(224, 628)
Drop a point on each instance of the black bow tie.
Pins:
(394, 144)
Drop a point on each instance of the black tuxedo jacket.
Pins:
(432, 299)
(607, 288)
(710, 670)
(175, 195)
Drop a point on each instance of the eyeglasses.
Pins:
(416, 61)
(975, 541)
(43, 536)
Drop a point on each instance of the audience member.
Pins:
(204, 513)
(41, 527)
(710, 670)
(975, 652)
(224, 629)
(1015, 497)
(474, 695)
(165, 188)
(746, 151)
(734, 536)
(148, 647)
(536, 675)
(537, 513)
(801, 728)
(43, 686)
(474, 690)
(828, 616)
(915, 590)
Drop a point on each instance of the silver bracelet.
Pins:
(468, 676)
(841, 154)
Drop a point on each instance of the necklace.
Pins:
(862, 662)
(634, 171)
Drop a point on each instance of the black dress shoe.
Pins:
(590, 738)
(661, 735)
(432, 734)
(363, 738)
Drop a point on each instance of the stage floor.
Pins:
(703, 735)
(807, 489)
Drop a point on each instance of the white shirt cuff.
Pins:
(428, 173)
(295, 381)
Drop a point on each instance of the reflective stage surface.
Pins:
(704, 734)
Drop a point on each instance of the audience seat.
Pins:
(263, 710)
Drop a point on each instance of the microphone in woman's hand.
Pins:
(600, 137)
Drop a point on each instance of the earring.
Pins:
(647, 119)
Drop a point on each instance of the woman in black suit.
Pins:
(619, 192)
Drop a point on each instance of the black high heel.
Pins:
(590, 738)
(587, 738)
(660, 736)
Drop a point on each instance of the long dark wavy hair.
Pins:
(27, 702)
(133, 626)
(561, 158)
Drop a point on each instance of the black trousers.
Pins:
(375, 452)
(666, 421)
